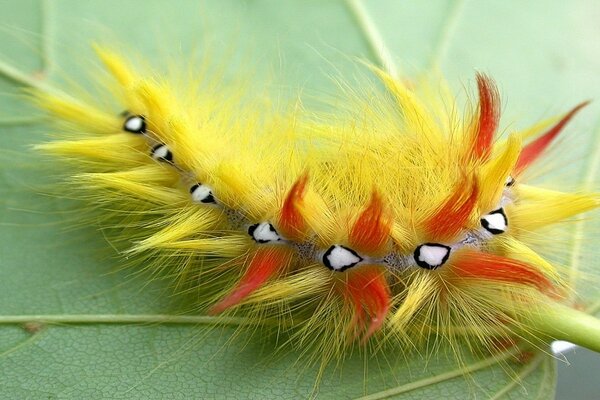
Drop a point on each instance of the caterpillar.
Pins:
(396, 220)
(332, 226)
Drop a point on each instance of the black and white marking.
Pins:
(263, 233)
(495, 222)
(202, 194)
(161, 152)
(135, 124)
(510, 181)
(431, 255)
(339, 258)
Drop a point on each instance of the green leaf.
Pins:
(542, 53)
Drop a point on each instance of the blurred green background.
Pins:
(545, 55)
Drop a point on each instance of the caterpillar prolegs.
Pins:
(392, 220)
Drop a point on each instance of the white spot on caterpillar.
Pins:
(431, 255)
(161, 152)
(135, 124)
(263, 233)
(340, 258)
(495, 222)
(202, 194)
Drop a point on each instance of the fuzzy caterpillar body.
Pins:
(393, 221)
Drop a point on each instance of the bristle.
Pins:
(228, 245)
(410, 105)
(116, 66)
(291, 222)
(265, 263)
(367, 291)
(141, 190)
(515, 249)
(70, 110)
(421, 290)
(543, 207)
(496, 171)
(471, 264)
(190, 222)
(371, 231)
(488, 117)
(115, 151)
(452, 215)
(534, 150)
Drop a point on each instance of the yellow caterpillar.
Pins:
(396, 220)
